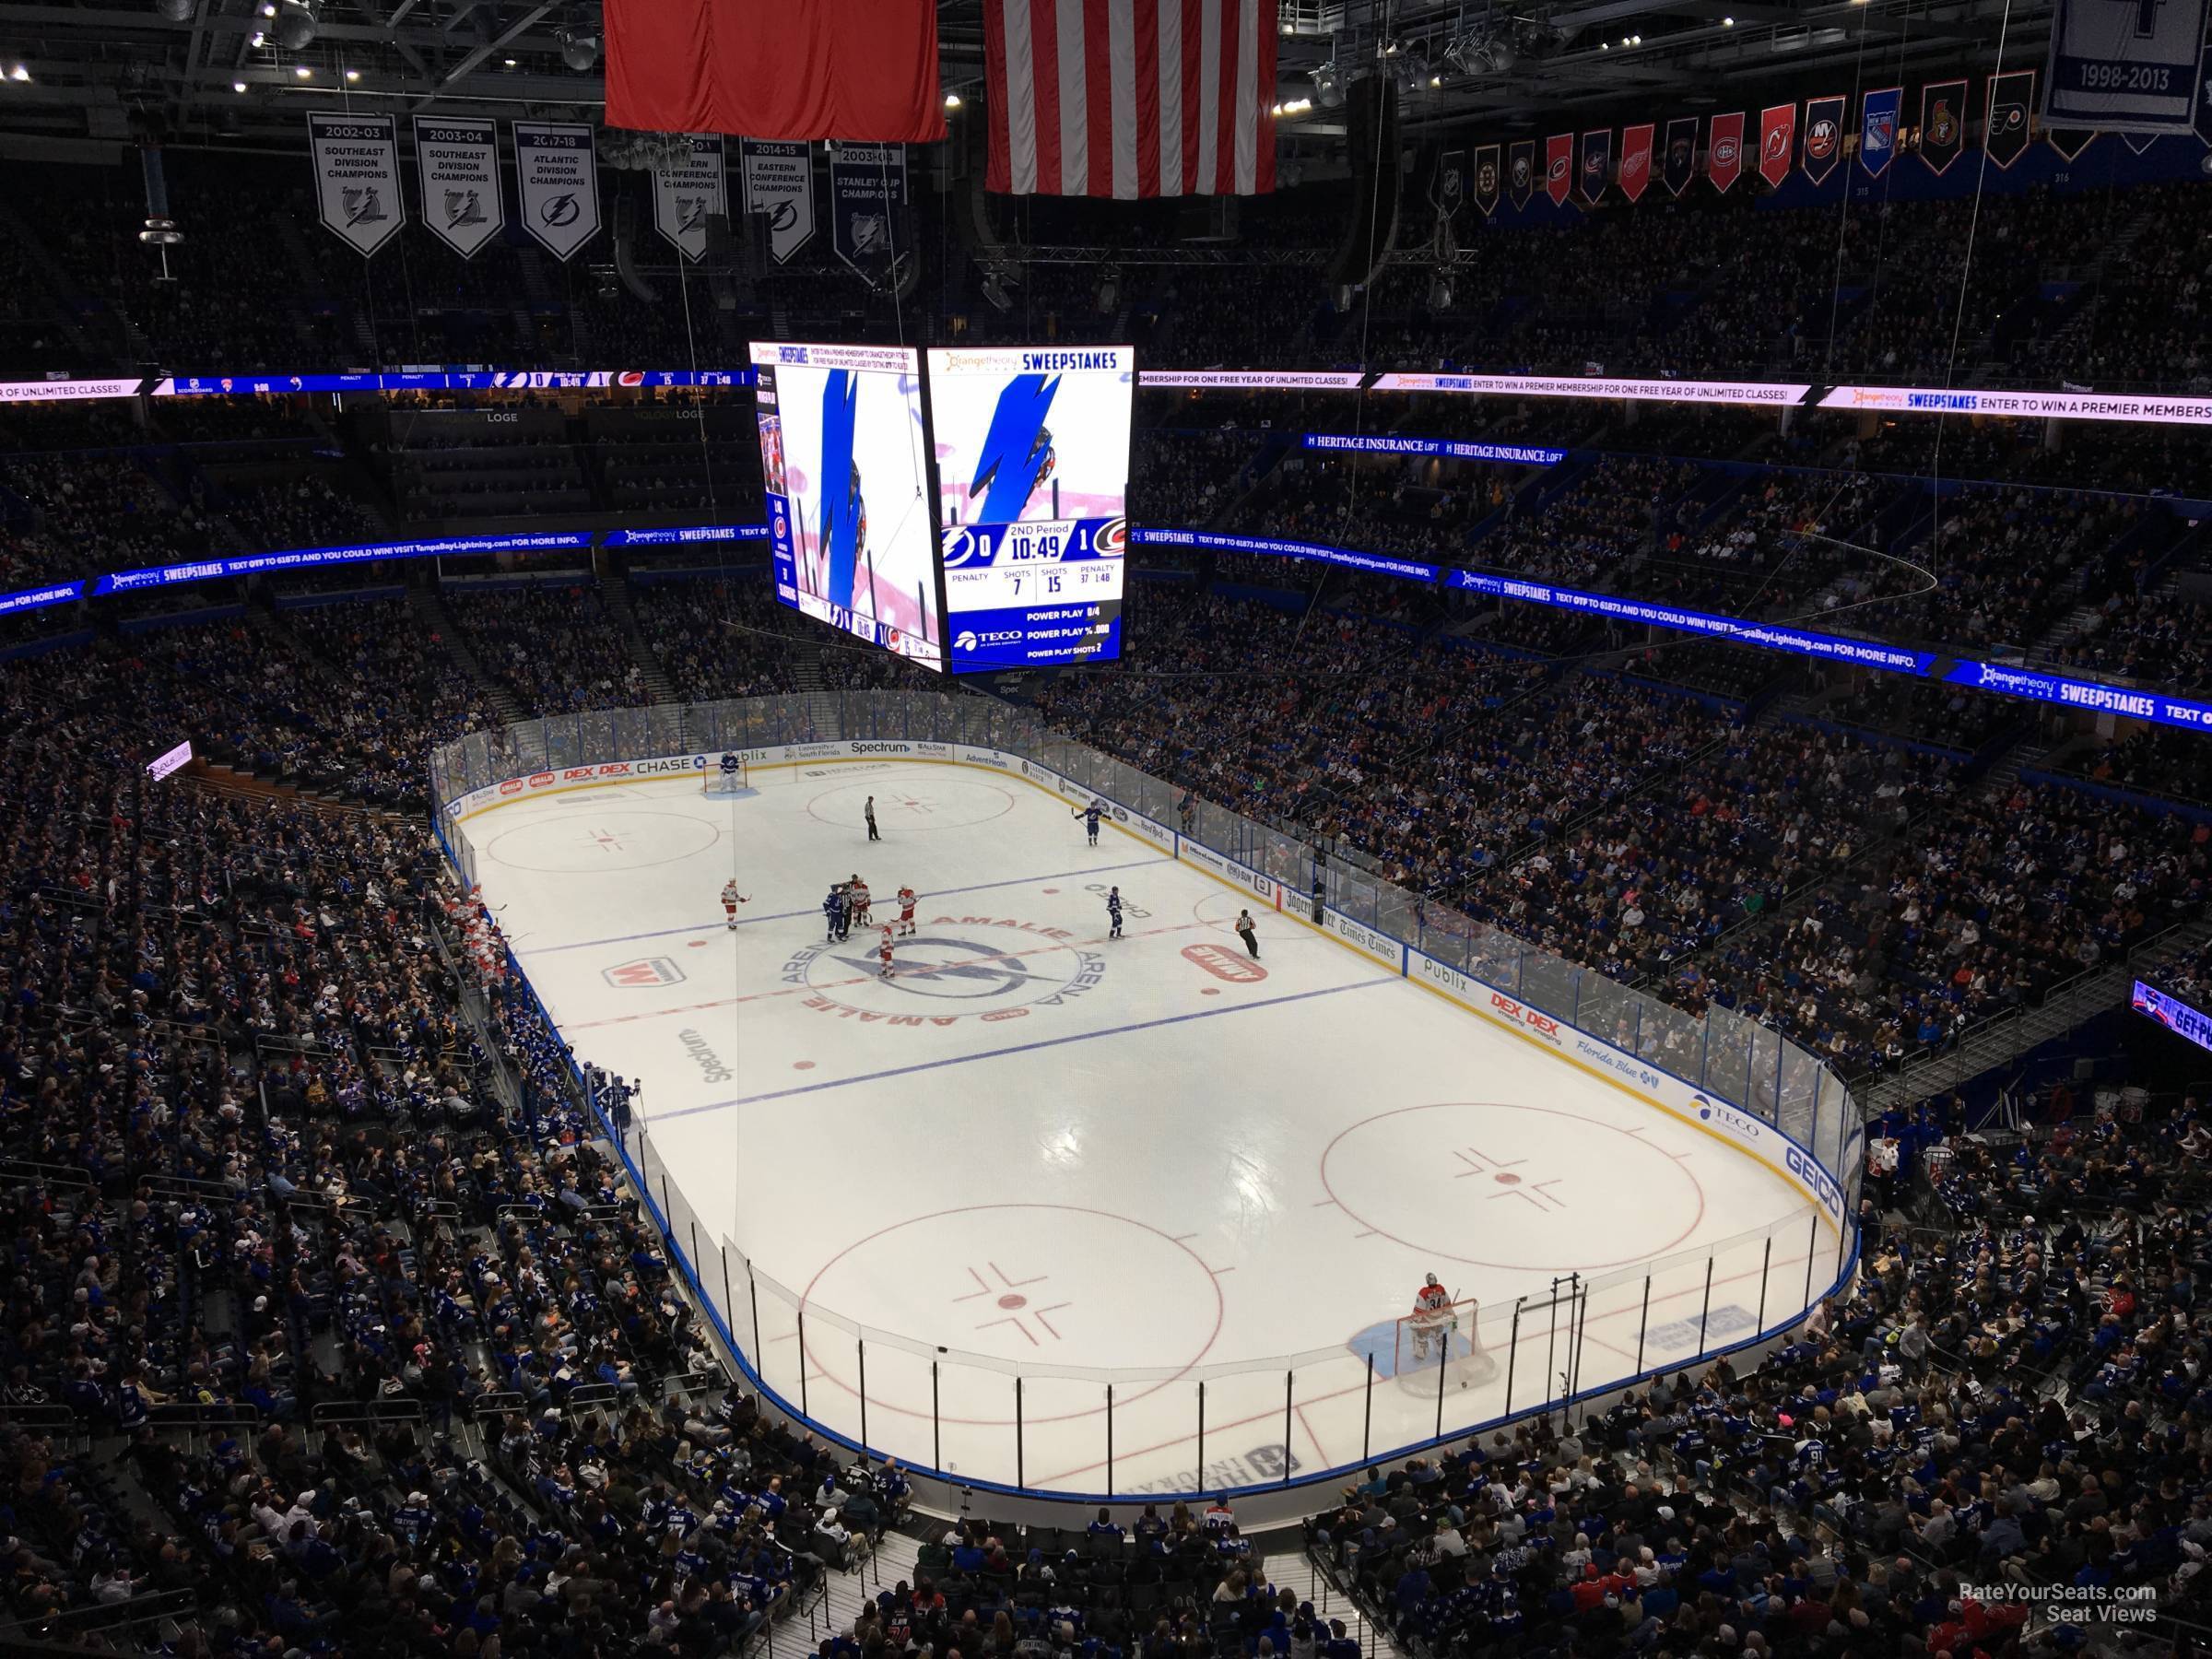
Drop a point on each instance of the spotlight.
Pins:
(296, 21)
(238, 86)
(19, 74)
(952, 100)
(1503, 55)
(304, 72)
(176, 11)
(352, 75)
(1328, 86)
(509, 62)
(578, 51)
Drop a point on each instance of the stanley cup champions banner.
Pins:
(357, 177)
(688, 190)
(557, 179)
(868, 207)
(2124, 65)
(458, 157)
(779, 181)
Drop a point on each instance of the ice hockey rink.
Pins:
(1148, 1161)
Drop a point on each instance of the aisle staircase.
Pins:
(822, 705)
(614, 595)
(438, 622)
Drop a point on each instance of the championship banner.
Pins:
(1635, 161)
(557, 184)
(2011, 96)
(1878, 130)
(1521, 174)
(779, 181)
(1486, 179)
(1942, 124)
(868, 207)
(1777, 133)
(356, 179)
(1559, 166)
(1823, 136)
(1681, 162)
(688, 189)
(458, 158)
(2070, 142)
(2124, 68)
(1597, 161)
(1724, 151)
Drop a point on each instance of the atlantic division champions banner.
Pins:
(779, 181)
(557, 179)
(357, 177)
(2117, 66)
(688, 190)
(458, 157)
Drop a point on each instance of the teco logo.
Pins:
(1225, 964)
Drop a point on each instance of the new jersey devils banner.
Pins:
(1777, 132)
(1635, 161)
(1724, 151)
(357, 177)
(688, 188)
(1126, 98)
(1681, 162)
(1597, 162)
(1486, 179)
(1559, 166)
(782, 68)
(1521, 172)
(2011, 96)
(1877, 129)
(1823, 137)
(779, 181)
(458, 158)
(1942, 124)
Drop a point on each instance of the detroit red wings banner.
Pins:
(1559, 166)
(1635, 160)
(1724, 151)
(1129, 97)
(1777, 129)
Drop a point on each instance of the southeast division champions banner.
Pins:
(867, 208)
(356, 179)
(557, 179)
(688, 190)
(2117, 66)
(779, 181)
(458, 158)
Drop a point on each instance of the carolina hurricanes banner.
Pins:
(1521, 175)
(457, 158)
(1777, 132)
(1823, 137)
(785, 69)
(690, 188)
(1635, 161)
(1724, 151)
(779, 181)
(2011, 96)
(1877, 129)
(1486, 179)
(1942, 124)
(1123, 97)
(356, 179)
(1597, 162)
(1681, 163)
(557, 176)
(1559, 166)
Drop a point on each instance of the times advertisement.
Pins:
(1032, 454)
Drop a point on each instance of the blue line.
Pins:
(660, 933)
(1019, 1048)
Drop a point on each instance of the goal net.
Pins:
(1447, 1340)
(724, 773)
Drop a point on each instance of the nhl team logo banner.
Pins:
(357, 177)
(1877, 129)
(1823, 137)
(779, 181)
(1559, 166)
(1681, 162)
(2124, 65)
(1724, 151)
(867, 202)
(1942, 124)
(1486, 179)
(1777, 135)
(557, 179)
(2070, 142)
(459, 163)
(1521, 172)
(1451, 193)
(1597, 162)
(1635, 161)
(688, 190)
(2011, 96)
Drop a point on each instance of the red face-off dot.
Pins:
(802, 1066)
(1010, 1301)
(696, 944)
(1507, 1180)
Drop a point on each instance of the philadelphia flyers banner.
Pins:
(1521, 172)
(1823, 137)
(1559, 166)
(1635, 160)
(2011, 96)
(1777, 133)
(1681, 163)
(1725, 152)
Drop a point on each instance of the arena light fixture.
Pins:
(578, 50)
(259, 39)
(175, 11)
(19, 74)
(952, 100)
(303, 72)
(296, 21)
(509, 62)
(238, 86)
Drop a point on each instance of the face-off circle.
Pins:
(907, 805)
(602, 841)
(952, 968)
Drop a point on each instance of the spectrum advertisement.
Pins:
(845, 455)
(1032, 452)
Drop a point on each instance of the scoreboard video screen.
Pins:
(845, 455)
(1032, 456)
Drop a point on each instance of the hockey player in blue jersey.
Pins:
(1114, 912)
(1090, 816)
(834, 912)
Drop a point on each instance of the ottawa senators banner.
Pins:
(1521, 172)
(1681, 161)
(2011, 96)
(1486, 179)
(1823, 137)
(1777, 137)
(1559, 166)
(1635, 161)
(1598, 163)
(1725, 152)
(1942, 124)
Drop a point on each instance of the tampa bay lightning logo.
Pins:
(962, 545)
(953, 967)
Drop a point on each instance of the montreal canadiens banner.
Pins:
(356, 179)
(1878, 130)
(1635, 161)
(2124, 68)
(458, 158)
(557, 184)
(688, 189)
(1724, 153)
(1777, 135)
(779, 181)
(1681, 162)
(1559, 166)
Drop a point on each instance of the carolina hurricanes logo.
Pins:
(1112, 540)
(1559, 168)
(1820, 139)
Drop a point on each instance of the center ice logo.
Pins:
(961, 968)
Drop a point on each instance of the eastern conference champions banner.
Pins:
(1033, 479)
(779, 181)
(688, 190)
(557, 181)
(357, 177)
(459, 163)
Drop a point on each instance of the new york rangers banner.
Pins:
(2011, 96)
(1942, 124)
(1777, 137)
(1635, 161)
(2117, 68)
(1559, 166)
(1597, 162)
(1681, 162)
(1877, 129)
(557, 184)
(1823, 137)
(458, 157)
(779, 181)
(688, 189)
(867, 208)
(1486, 179)
(1127, 98)
(357, 177)
(1724, 151)
(1521, 173)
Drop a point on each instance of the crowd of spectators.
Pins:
(551, 643)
